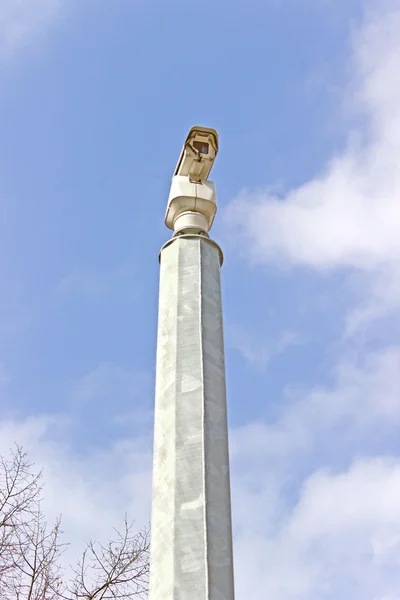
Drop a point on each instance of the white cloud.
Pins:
(93, 490)
(306, 524)
(126, 394)
(341, 540)
(92, 485)
(108, 380)
(257, 352)
(22, 20)
(294, 538)
(312, 519)
(349, 215)
(83, 283)
(324, 534)
(98, 285)
(363, 400)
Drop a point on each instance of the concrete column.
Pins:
(191, 544)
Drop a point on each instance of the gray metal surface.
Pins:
(191, 545)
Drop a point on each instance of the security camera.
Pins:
(198, 154)
(192, 199)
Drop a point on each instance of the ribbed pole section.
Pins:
(191, 543)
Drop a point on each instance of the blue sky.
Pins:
(95, 102)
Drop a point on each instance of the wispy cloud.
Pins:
(93, 490)
(348, 217)
(99, 284)
(22, 20)
(315, 514)
(125, 395)
(297, 537)
(311, 518)
(87, 284)
(259, 352)
(323, 470)
(341, 539)
(361, 402)
(286, 521)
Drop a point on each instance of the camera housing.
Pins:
(192, 200)
(198, 154)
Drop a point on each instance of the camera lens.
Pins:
(202, 147)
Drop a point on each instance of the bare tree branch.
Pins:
(116, 571)
(30, 550)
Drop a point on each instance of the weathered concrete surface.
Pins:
(191, 546)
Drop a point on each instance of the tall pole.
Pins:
(191, 536)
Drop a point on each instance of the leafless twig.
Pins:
(30, 550)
